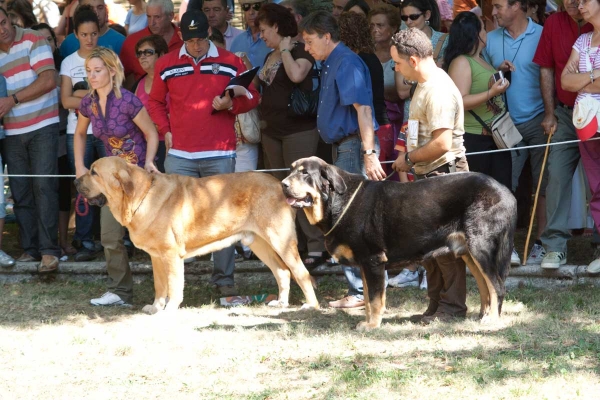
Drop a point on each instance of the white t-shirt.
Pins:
(74, 67)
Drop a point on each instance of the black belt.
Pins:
(448, 168)
(563, 105)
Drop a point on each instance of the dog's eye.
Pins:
(304, 172)
(93, 172)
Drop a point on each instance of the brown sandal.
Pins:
(48, 265)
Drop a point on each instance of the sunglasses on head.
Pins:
(255, 6)
(147, 53)
(413, 17)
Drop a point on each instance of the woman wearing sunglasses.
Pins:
(425, 16)
(73, 87)
(147, 50)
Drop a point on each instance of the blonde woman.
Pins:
(119, 119)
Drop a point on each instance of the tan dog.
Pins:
(173, 217)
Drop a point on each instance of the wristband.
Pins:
(285, 50)
(591, 76)
(369, 152)
(14, 96)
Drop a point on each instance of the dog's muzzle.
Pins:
(292, 199)
(99, 200)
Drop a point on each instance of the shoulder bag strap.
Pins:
(480, 121)
(438, 46)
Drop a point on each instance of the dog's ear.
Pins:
(125, 181)
(331, 175)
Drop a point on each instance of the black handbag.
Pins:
(304, 103)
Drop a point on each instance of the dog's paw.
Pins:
(489, 319)
(150, 309)
(364, 326)
(277, 303)
(307, 306)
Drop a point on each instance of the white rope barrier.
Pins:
(384, 162)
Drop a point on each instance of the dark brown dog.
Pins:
(374, 224)
(173, 217)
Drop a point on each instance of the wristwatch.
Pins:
(369, 152)
(407, 160)
(14, 96)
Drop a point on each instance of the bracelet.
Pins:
(592, 76)
(284, 50)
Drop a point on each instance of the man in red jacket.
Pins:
(198, 142)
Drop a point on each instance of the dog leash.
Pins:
(86, 206)
(345, 209)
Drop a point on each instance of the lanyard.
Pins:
(518, 48)
(589, 61)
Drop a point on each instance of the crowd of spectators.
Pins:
(171, 70)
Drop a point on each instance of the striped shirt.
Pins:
(28, 56)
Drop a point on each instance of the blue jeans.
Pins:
(84, 226)
(224, 260)
(347, 156)
(36, 199)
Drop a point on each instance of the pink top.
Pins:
(140, 92)
(445, 10)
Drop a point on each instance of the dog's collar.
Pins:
(143, 198)
(345, 209)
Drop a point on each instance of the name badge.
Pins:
(412, 139)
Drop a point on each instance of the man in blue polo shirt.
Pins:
(511, 48)
(108, 37)
(249, 42)
(345, 116)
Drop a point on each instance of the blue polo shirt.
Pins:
(256, 50)
(345, 80)
(111, 39)
(524, 95)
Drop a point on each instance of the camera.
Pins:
(498, 76)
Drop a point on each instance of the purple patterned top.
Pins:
(121, 136)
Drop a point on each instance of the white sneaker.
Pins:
(406, 278)
(515, 260)
(537, 254)
(423, 285)
(109, 299)
(554, 260)
(6, 261)
(594, 267)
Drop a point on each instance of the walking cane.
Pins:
(537, 192)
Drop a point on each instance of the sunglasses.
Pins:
(255, 6)
(413, 17)
(147, 53)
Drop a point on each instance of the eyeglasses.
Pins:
(147, 53)
(255, 6)
(413, 17)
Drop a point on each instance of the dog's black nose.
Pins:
(285, 184)
(77, 183)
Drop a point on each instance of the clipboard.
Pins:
(242, 80)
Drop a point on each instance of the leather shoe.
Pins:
(26, 257)
(441, 317)
(347, 302)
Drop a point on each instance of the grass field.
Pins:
(55, 346)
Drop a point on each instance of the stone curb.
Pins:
(528, 275)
